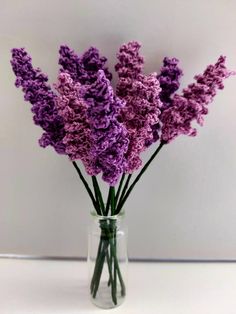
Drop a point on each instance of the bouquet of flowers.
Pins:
(84, 118)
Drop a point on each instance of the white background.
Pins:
(185, 204)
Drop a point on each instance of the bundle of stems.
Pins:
(107, 249)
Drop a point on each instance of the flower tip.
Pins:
(63, 48)
(135, 43)
(92, 51)
(170, 61)
(222, 58)
(18, 51)
(131, 45)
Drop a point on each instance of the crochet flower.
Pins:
(34, 85)
(130, 65)
(82, 69)
(193, 103)
(169, 79)
(109, 137)
(73, 110)
(142, 96)
(139, 115)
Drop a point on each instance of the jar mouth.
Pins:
(94, 214)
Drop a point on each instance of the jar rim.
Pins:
(94, 214)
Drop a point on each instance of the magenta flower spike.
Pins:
(192, 105)
(142, 95)
(128, 68)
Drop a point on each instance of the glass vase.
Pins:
(107, 260)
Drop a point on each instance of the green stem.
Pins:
(96, 196)
(100, 259)
(86, 186)
(113, 252)
(119, 188)
(108, 202)
(106, 240)
(122, 284)
(124, 191)
(113, 193)
(113, 293)
(96, 265)
(109, 281)
(122, 201)
(99, 194)
(115, 270)
(99, 271)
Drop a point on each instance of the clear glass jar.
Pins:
(107, 260)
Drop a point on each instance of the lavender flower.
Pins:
(130, 62)
(139, 115)
(70, 63)
(130, 65)
(109, 137)
(83, 69)
(73, 110)
(34, 84)
(169, 79)
(87, 121)
(142, 110)
(192, 104)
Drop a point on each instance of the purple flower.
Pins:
(130, 62)
(192, 104)
(34, 85)
(142, 96)
(70, 63)
(139, 115)
(130, 65)
(108, 133)
(82, 69)
(109, 137)
(73, 110)
(169, 79)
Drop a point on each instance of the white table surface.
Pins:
(40, 287)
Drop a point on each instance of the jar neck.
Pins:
(116, 219)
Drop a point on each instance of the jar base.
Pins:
(103, 298)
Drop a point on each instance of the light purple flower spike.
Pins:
(73, 109)
(193, 103)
